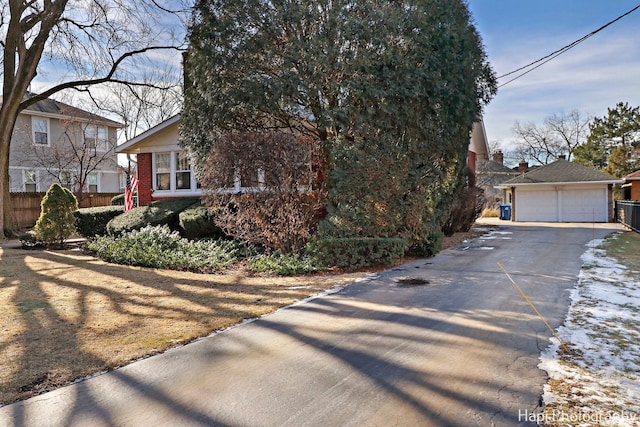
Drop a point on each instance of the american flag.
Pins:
(130, 188)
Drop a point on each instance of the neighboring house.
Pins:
(561, 191)
(491, 173)
(478, 146)
(55, 142)
(164, 171)
(631, 186)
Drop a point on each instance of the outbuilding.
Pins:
(561, 191)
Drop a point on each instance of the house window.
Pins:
(183, 171)
(92, 182)
(40, 131)
(96, 137)
(163, 171)
(30, 185)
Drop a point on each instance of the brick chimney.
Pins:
(498, 156)
(523, 167)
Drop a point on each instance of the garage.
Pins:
(562, 204)
(562, 191)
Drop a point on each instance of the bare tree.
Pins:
(141, 107)
(89, 42)
(558, 136)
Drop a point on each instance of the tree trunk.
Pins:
(6, 129)
(8, 115)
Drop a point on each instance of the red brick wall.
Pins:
(635, 190)
(471, 161)
(145, 178)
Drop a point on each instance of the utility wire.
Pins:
(560, 51)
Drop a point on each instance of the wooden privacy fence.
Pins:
(628, 213)
(26, 206)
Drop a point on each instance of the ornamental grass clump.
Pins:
(159, 247)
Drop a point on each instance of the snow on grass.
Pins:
(597, 381)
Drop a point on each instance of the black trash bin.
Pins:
(505, 212)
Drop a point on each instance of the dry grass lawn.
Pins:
(65, 315)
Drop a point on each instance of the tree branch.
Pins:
(90, 82)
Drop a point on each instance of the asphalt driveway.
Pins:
(455, 346)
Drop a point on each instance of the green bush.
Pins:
(159, 247)
(118, 200)
(29, 240)
(93, 221)
(285, 264)
(429, 246)
(164, 212)
(356, 252)
(56, 222)
(197, 222)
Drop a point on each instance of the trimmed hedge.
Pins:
(118, 200)
(356, 252)
(197, 222)
(164, 212)
(92, 222)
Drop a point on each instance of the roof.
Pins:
(51, 107)
(633, 176)
(562, 171)
(492, 167)
(130, 145)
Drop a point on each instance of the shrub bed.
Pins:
(92, 222)
(356, 252)
(159, 247)
(285, 264)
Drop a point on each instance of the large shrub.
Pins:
(391, 114)
(56, 222)
(197, 222)
(467, 209)
(93, 221)
(164, 212)
(279, 194)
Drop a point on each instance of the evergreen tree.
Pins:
(614, 141)
(389, 89)
(56, 222)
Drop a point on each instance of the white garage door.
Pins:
(562, 205)
(536, 205)
(588, 205)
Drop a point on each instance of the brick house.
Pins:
(631, 186)
(164, 171)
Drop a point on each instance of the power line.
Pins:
(560, 51)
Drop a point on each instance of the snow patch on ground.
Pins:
(597, 382)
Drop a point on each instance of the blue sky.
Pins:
(590, 77)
